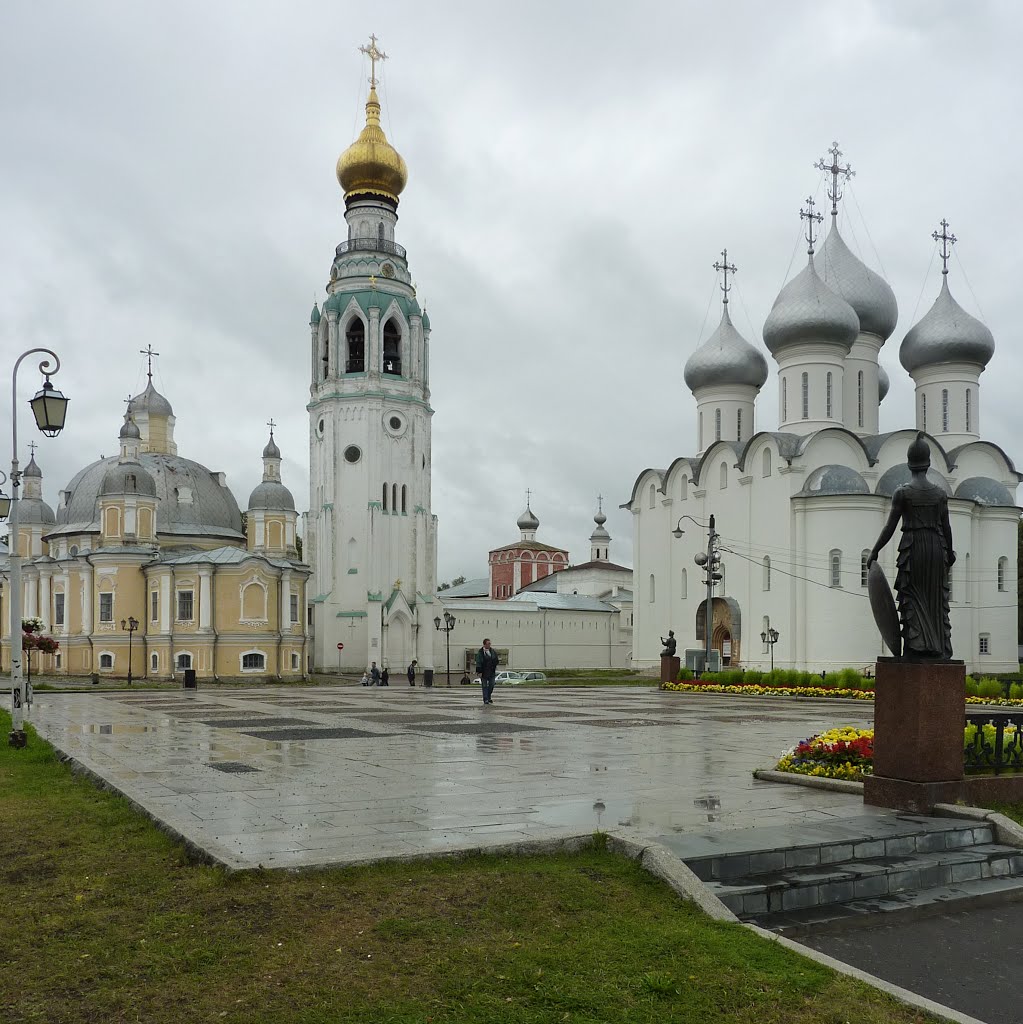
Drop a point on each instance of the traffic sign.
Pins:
(340, 647)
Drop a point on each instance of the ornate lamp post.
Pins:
(449, 624)
(130, 626)
(710, 561)
(49, 407)
(770, 636)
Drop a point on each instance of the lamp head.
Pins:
(436, 622)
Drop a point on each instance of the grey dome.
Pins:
(271, 495)
(191, 500)
(151, 401)
(129, 429)
(32, 469)
(946, 334)
(127, 478)
(884, 383)
(869, 294)
(808, 310)
(600, 534)
(901, 474)
(985, 491)
(34, 510)
(527, 521)
(725, 358)
(834, 479)
(271, 451)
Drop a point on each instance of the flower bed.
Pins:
(758, 690)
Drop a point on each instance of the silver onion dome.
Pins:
(32, 469)
(151, 401)
(128, 477)
(807, 310)
(725, 358)
(527, 521)
(868, 293)
(129, 430)
(946, 334)
(271, 451)
(271, 495)
(884, 383)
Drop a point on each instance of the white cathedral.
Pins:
(797, 509)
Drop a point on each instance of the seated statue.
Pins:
(669, 645)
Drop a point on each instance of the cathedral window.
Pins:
(254, 602)
(717, 424)
(385, 497)
(944, 410)
(1003, 566)
(738, 424)
(653, 496)
(683, 583)
(106, 607)
(864, 567)
(984, 643)
(154, 662)
(699, 439)
(806, 395)
(966, 577)
(859, 398)
(784, 399)
(185, 606)
(835, 564)
(324, 355)
(380, 232)
(106, 661)
(684, 488)
(154, 605)
(392, 349)
(184, 662)
(404, 499)
(828, 398)
(724, 475)
(58, 609)
(766, 471)
(923, 412)
(969, 417)
(653, 588)
(355, 344)
(767, 572)
(293, 607)
(254, 661)
(394, 497)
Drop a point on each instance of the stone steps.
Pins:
(840, 873)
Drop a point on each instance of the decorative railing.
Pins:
(370, 245)
(996, 743)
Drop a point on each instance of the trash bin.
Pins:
(95, 679)
(428, 677)
(189, 683)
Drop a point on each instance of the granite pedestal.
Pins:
(670, 667)
(919, 715)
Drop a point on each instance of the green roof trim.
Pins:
(320, 599)
(370, 596)
(373, 298)
(353, 572)
(350, 615)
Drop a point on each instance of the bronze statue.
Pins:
(922, 565)
(669, 645)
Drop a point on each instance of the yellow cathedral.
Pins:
(154, 537)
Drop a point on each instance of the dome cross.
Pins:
(32, 446)
(270, 423)
(149, 353)
(947, 240)
(726, 268)
(836, 171)
(812, 218)
(374, 55)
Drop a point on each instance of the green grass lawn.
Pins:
(106, 920)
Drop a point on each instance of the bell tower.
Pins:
(370, 534)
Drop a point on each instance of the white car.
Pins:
(508, 677)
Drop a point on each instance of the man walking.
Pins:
(486, 666)
(374, 674)
(412, 673)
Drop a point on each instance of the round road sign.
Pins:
(340, 647)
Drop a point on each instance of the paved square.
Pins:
(359, 774)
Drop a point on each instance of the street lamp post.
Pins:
(770, 636)
(449, 624)
(130, 626)
(49, 407)
(710, 561)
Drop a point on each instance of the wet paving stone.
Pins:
(313, 733)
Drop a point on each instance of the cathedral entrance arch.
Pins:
(397, 652)
(726, 629)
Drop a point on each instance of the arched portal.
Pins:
(397, 652)
(726, 629)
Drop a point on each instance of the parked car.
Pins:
(508, 677)
(534, 677)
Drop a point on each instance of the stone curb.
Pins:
(903, 995)
(1008, 831)
(812, 781)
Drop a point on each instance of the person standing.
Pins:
(412, 673)
(384, 676)
(374, 674)
(486, 665)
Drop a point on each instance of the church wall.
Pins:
(862, 358)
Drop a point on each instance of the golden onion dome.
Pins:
(371, 164)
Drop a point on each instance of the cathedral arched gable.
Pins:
(983, 458)
(713, 456)
(892, 451)
(682, 466)
(648, 476)
(835, 445)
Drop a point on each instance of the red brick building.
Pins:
(514, 565)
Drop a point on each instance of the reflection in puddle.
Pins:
(711, 804)
(112, 729)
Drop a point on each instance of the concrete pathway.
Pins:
(295, 777)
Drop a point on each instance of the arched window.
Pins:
(684, 488)
(969, 581)
(859, 398)
(1003, 568)
(653, 496)
(806, 395)
(184, 661)
(827, 396)
(738, 424)
(767, 572)
(724, 475)
(254, 603)
(106, 661)
(380, 232)
(254, 661)
(653, 588)
(923, 412)
(355, 343)
(944, 410)
(864, 567)
(784, 399)
(969, 411)
(699, 431)
(385, 497)
(766, 471)
(154, 662)
(394, 497)
(392, 349)
(324, 353)
(404, 499)
(684, 585)
(835, 568)
(717, 424)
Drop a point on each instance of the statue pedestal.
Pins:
(919, 717)
(670, 667)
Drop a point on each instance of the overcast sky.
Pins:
(167, 177)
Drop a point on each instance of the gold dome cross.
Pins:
(374, 55)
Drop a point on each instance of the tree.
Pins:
(456, 582)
